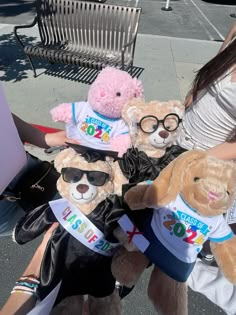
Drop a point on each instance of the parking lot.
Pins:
(193, 19)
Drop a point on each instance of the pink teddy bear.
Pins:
(97, 123)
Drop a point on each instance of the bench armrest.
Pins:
(124, 49)
(129, 43)
(23, 26)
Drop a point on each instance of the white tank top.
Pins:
(211, 120)
(12, 153)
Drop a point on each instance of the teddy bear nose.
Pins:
(212, 195)
(82, 188)
(102, 93)
(164, 134)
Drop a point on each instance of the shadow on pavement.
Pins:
(14, 65)
(79, 74)
(13, 61)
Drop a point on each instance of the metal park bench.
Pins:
(88, 34)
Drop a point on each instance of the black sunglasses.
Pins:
(150, 123)
(73, 175)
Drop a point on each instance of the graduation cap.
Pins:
(92, 155)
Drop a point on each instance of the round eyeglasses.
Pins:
(150, 123)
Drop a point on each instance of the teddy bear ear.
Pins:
(63, 158)
(101, 74)
(167, 185)
(178, 107)
(138, 88)
(131, 108)
(107, 69)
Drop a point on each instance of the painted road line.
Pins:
(205, 17)
(199, 20)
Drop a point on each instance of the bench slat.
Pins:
(86, 33)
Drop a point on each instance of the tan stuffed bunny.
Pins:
(187, 202)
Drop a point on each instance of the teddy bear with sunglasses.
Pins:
(80, 250)
(97, 122)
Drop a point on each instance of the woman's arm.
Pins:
(188, 100)
(224, 151)
(20, 303)
(35, 136)
(229, 37)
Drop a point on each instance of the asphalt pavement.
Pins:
(171, 47)
(194, 19)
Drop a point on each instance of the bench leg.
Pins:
(131, 69)
(32, 66)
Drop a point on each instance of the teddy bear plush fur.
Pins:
(206, 186)
(69, 158)
(97, 122)
(153, 144)
(139, 166)
(82, 269)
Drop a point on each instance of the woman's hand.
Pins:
(21, 303)
(57, 139)
(39, 138)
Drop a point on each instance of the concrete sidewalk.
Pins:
(169, 65)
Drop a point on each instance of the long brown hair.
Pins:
(214, 69)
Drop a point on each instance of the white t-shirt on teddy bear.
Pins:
(92, 129)
(182, 231)
(13, 156)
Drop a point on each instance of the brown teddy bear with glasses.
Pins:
(153, 125)
(153, 128)
(80, 250)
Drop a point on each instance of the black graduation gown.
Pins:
(81, 270)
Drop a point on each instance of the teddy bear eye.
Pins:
(196, 179)
(228, 193)
(154, 127)
(118, 94)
